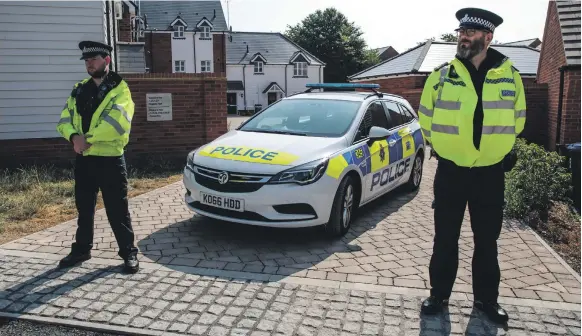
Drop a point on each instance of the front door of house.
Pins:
(271, 97)
(231, 102)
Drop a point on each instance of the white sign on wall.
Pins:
(159, 106)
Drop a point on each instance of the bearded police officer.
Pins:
(471, 111)
(96, 119)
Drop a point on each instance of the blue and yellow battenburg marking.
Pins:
(247, 154)
(362, 157)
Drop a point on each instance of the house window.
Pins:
(259, 67)
(179, 32)
(205, 32)
(300, 69)
(204, 66)
(179, 66)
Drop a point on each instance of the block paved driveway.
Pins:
(380, 266)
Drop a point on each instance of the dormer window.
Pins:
(179, 32)
(259, 67)
(300, 69)
(300, 64)
(258, 62)
(204, 26)
(205, 32)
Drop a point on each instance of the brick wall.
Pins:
(571, 107)
(219, 52)
(536, 130)
(552, 57)
(199, 116)
(158, 52)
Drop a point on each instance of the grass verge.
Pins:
(560, 228)
(38, 197)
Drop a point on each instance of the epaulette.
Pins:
(440, 66)
(76, 90)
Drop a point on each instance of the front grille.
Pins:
(237, 182)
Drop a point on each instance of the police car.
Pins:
(308, 159)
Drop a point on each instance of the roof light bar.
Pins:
(342, 86)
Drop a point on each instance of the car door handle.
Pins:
(392, 142)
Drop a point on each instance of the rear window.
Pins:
(304, 116)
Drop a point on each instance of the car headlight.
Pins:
(190, 158)
(304, 174)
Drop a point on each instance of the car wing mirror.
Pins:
(378, 133)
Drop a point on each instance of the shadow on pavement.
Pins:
(214, 244)
(52, 286)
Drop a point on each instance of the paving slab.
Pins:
(163, 301)
(387, 251)
(390, 243)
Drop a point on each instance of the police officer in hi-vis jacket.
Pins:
(96, 120)
(471, 111)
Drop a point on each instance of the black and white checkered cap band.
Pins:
(478, 21)
(95, 50)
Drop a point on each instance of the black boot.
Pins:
(433, 305)
(74, 258)
(493, 311)
(131, 264)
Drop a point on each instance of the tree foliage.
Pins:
(334, 40)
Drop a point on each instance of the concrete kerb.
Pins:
(238, 275)
(97, 327)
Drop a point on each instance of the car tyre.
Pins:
(416, 173)
(342, 210)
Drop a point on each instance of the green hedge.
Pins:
(538, 178)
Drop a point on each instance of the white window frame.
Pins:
(259, 67)
(205, 66)
(205, 32)
(179, 32)
(300, 69)
(179, 66)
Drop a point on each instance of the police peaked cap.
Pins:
(92, 49)
(478, 18)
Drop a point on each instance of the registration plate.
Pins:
(222, 202)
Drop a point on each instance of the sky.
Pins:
(388, 22)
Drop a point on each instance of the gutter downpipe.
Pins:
(286, 92)
(560, 103)
(194, 43)
(115, 50)
(245, 87)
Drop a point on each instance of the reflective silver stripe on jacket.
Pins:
(498, 129)
(422, 109)
(426, 132)
(122, 111)
(64, 120)
(115, 124)
(448, 105)
(445, 129)
(520, 114)
(498, 104)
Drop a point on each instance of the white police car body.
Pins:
(309, 159)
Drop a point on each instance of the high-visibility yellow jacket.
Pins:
(110, 124)
(447, 106)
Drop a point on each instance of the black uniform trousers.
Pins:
(108, 174)
(483, 189)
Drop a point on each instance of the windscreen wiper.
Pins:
(278, 132)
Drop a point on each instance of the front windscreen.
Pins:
(307, 117)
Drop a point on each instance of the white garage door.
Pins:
(39, 61)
